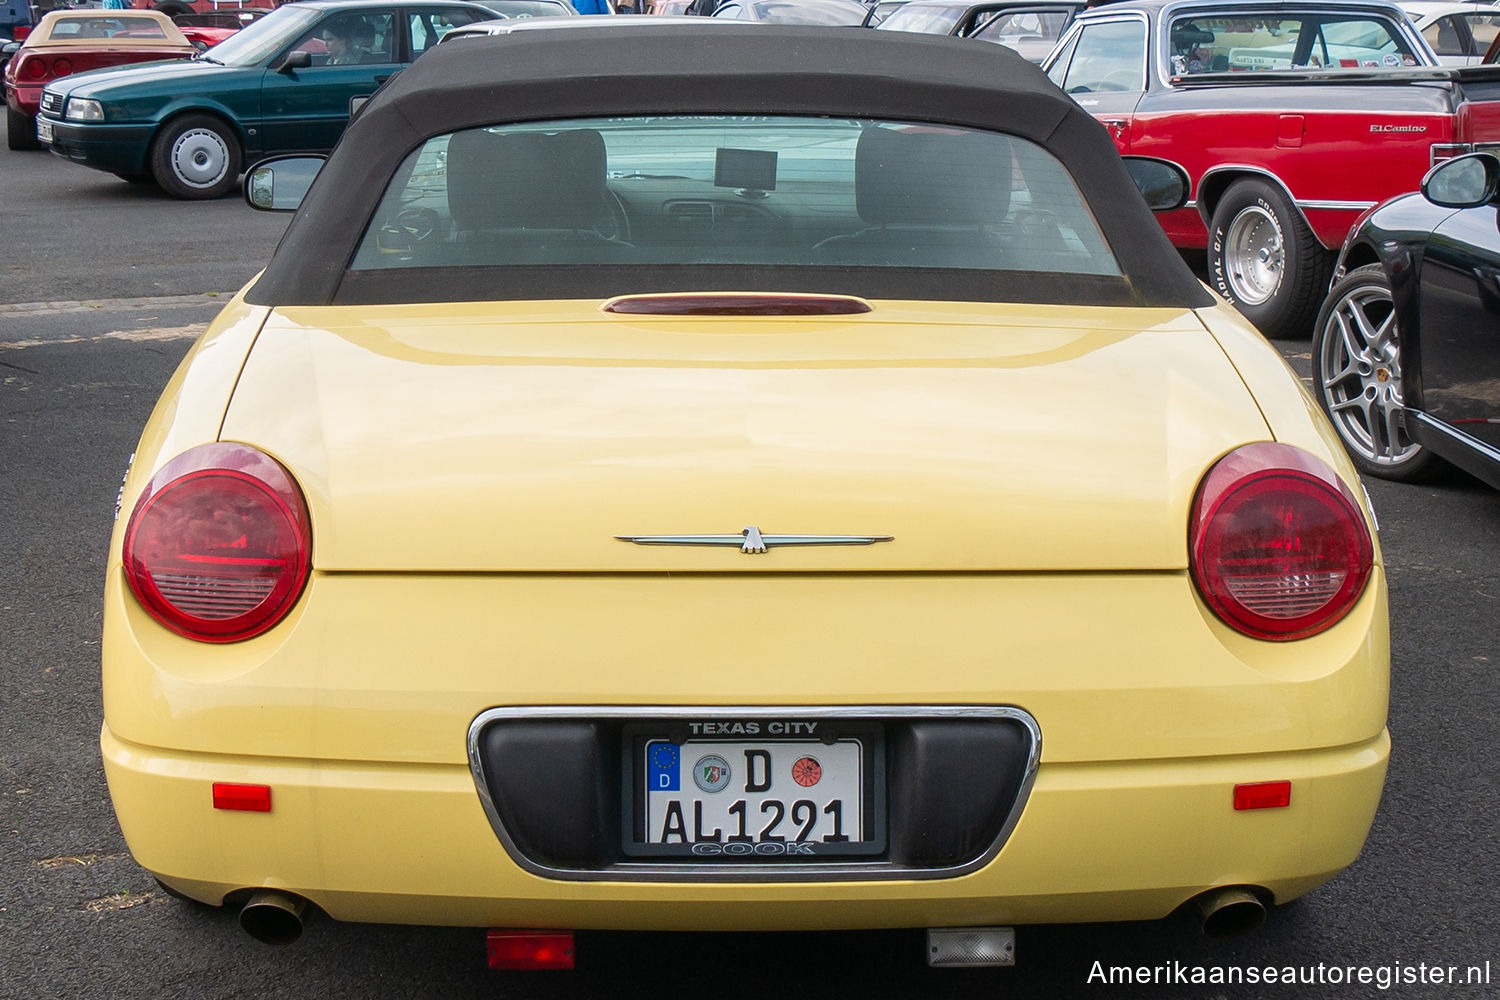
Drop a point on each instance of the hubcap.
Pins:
(200, 158)
(1360, 363)
(1253, 256)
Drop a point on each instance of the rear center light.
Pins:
(737, 304)
(219, 545)
(1278, 546)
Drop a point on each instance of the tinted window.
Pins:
(1032, 34)
(1240, 44)
(1108, 56)
(746, 191)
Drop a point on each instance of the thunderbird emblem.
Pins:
(751, 540)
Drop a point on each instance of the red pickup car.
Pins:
(1290, 118)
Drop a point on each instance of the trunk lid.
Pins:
(526, 436)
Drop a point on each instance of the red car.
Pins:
(71, 41)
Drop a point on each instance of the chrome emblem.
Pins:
(751, 541)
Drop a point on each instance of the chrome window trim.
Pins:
(688, 872)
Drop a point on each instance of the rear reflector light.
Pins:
(1448, 150)
(243, 798)
(1278, 546)
(737, 304)
(219, 545)
(529, 949)
(1263, 795)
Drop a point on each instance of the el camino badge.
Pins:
(752, 541)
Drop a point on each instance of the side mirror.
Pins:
(301, 59)
(1463, 182)
(1164, 185)
(279, 184)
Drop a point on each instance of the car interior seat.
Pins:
(927, 199)
(532, 197)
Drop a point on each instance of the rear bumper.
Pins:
(412, 844)
(357, 712)
(24, 100)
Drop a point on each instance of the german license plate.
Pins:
(757, 799)
(43, 130)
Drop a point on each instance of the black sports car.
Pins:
(1406, 353)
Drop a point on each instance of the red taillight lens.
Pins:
(34, 68)
(21, 32)
(1278, 546)
(62, 67)
(219, 545)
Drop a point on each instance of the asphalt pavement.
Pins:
(103, 285)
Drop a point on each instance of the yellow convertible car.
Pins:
(781, 478)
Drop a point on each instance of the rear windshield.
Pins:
(1312, 41)
(755, 191)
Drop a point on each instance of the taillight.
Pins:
(219, 545)
(1277, 544)
(21, 32)
(1440, 151)
(62, 66)
(35, 68)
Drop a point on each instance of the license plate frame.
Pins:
(43, 130)
(785, 740)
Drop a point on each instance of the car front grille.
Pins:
(52, 104)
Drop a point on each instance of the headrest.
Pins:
(930, 178)
(536, 180)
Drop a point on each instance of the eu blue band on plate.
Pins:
(662, 768)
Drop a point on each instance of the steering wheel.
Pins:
(415, 222)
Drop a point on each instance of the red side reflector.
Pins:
(529, 949)
(737, 304)
(1263, 795)
(245, 798)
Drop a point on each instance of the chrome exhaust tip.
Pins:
(1229, 912)
(273, 917)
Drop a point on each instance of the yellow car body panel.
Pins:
(468, 466)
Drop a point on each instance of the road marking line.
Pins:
(112, 305)
(137, 336)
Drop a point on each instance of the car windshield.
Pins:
(932, 20)
(1238, 44)
(794, 12)
(751, 191)
(257, 42)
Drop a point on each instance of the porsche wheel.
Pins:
(1264, 259)
(20, 130)
(196, 156)
(1357, 376)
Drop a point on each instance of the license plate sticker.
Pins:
(757, 800)
(43, 130)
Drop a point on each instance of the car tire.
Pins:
(20, 130)
(1265, 260)
(1356, 355)
(196, 157)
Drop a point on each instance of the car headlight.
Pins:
(80, 110)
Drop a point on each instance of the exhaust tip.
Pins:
(273, 917)
(1230, 912)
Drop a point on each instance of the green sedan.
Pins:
(286, 83)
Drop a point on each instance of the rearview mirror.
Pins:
(1164, 185)
(279, 184)
(301, 59)
(1463, 182)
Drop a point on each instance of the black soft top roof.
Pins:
(586, 70)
